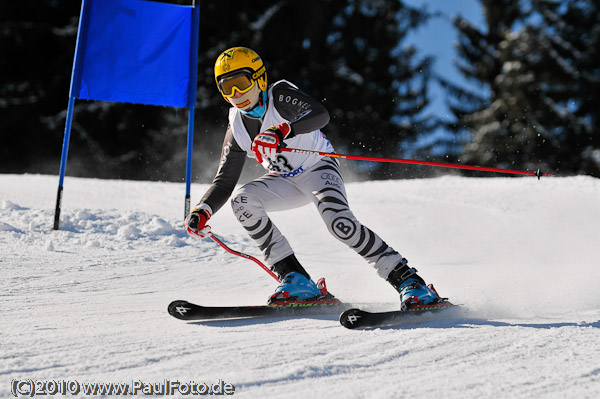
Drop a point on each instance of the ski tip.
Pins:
(350, 318)
(178, 308)
(360, 319)
(177, 302)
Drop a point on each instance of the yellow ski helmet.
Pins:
(239, 68)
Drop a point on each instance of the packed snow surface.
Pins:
(88, 303)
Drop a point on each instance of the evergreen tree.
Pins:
(32, 87)
(570, 32)
(378, 87)
(540, 68)
(476, 50)
(479, 61)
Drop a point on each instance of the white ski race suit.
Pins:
(293, 180)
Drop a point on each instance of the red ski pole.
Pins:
(537, 173)
(243, 255)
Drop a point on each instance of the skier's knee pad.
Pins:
(245, 205)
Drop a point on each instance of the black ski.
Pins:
(361, 319)
(185, 310)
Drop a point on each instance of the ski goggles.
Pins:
(241, 82)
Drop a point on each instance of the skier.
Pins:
(262, 119)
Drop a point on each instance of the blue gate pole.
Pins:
(191, 104)
(75, 78)
(63, 163)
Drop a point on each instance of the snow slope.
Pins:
(88, 302)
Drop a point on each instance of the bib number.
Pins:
(280, 164)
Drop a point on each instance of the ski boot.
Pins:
(296, 285)
(413, 291)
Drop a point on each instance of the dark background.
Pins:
(537, 61)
